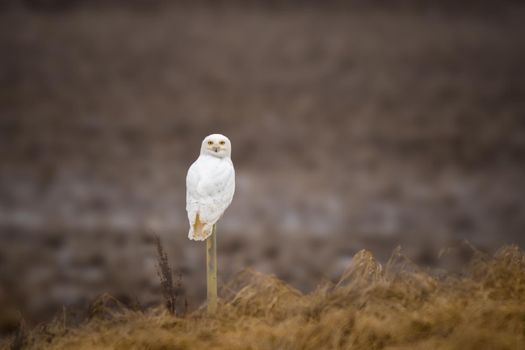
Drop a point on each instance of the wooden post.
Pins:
(211, 270)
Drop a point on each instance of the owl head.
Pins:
(216, 145)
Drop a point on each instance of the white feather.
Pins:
(210, 185)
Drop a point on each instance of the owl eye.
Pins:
(222, 142)
(210, 142)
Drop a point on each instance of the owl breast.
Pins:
(210, 187)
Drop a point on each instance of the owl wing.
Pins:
(210, 187)
(192, 196)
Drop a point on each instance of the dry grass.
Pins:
(396, 306)
(169, 291)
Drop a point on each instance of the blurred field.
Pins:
(400, 306)
(351, 129)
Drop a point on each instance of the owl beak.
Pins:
(215, 149)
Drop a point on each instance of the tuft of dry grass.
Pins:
(171, 290)
(396, 306)
(166, 277)
(20, 337)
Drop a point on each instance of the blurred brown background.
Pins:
(361, 124)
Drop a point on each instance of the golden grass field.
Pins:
(395, 306)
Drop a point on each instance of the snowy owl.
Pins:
(210, 185)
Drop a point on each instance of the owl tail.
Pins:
(199, 230)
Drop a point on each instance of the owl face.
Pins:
(216, 145)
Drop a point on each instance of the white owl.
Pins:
(210, 185)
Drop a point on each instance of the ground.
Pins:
(398, 306)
